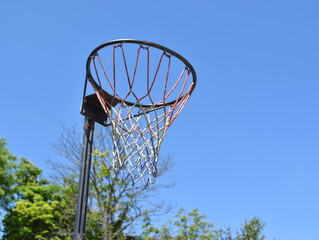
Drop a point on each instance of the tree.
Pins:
(37, 205)
(114, 204)
(193, 226)
(190, 226)
(251, 230)
(68, 193)
(7, 166)
(37, 209)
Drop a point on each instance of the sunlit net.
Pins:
(142, 89)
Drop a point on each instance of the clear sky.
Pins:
(247, 142)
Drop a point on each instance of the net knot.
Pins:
(144, 47)
(167, 54)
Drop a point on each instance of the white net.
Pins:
(137, 141)
(137, 136)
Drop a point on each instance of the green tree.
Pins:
(7, 167)
(114, 204)
(193, 226)
(251, 230)
(190, 226)
(37, 208)
(68, 194)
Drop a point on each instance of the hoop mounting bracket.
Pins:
(92, 109)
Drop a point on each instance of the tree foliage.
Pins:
(36, 210)
(189, 226)
(114, 203)
(251, 230)
(193, 226)
(7, 167)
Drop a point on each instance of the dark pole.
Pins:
(82, 199)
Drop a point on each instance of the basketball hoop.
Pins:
(139, 89)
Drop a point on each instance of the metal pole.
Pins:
(83, 191)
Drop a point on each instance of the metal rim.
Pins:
(141, 42)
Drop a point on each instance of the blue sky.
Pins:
(247, 142)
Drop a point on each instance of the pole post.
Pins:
(84, 180)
